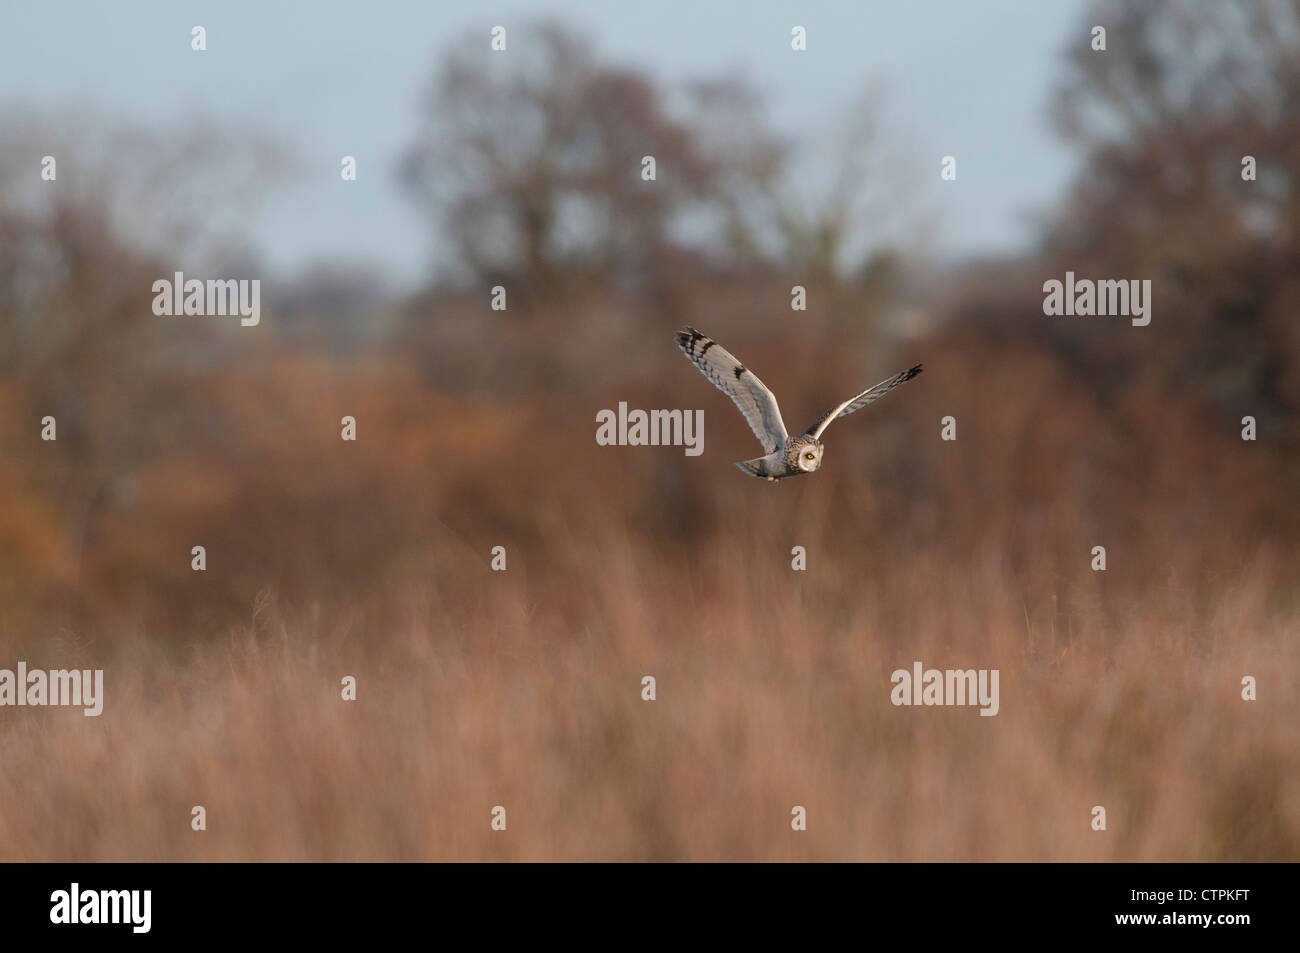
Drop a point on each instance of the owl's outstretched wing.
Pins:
(746, 391)
(857, 403)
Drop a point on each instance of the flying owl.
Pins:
(786, 456)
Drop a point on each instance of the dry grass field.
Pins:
(523, 688)
(1173, 444)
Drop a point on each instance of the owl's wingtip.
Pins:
(686, 338)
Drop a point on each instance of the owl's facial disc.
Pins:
(810, 458)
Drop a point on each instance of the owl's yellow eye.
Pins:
(807, 456)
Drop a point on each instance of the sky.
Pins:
(966, 79)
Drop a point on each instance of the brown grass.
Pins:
(523, 688)
(773, 690)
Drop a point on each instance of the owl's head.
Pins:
(807, 452)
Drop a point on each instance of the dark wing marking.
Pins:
(746, 391)
(857, 403)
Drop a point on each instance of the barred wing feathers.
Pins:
(746, 391)
(857, 403)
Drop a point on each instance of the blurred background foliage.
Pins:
(476, 428)
(174, 432)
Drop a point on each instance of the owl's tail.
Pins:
(754, 467)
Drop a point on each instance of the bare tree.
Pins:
(78, 258)
(533, 161)
(1166, 117)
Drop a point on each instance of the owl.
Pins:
(785, 456)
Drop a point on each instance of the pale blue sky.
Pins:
(331, 78)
